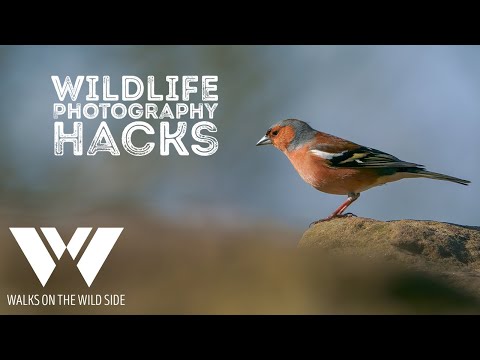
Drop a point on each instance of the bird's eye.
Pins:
(275, 133)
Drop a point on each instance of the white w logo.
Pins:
(91, 261)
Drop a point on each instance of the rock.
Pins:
(449, 250)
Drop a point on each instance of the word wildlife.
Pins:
(174, 104)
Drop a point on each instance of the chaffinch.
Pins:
(336, 166)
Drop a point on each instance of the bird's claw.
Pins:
(332, 217)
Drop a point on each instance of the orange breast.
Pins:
(314, 171)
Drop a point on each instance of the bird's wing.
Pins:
(360, 157)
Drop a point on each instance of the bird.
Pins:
(337, 166)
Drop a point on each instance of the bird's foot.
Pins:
(332, 217)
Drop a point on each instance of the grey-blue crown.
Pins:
(303, 131)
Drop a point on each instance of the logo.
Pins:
(90, 262)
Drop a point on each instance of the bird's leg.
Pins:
(351, 198)
(338, 213)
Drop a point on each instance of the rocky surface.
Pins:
(449, 250)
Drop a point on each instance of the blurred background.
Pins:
(419, 103)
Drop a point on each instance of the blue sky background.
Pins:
(419, 103)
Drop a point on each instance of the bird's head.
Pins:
(288, 135)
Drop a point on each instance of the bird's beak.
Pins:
(264, 141)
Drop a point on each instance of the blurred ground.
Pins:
(165, 267)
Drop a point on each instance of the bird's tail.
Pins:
(433, 175)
